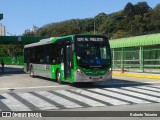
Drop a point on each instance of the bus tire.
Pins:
(31, 72)
(58, 76)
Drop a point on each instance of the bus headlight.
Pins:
(80, 72)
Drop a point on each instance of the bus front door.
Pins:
(67, 62)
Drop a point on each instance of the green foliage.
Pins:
(129, 10)
(119, 34)
(133, 20)
(11, 50)
(157, 7)
(141, 8)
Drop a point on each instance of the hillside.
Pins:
(133, 20)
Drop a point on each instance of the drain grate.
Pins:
(1, 97)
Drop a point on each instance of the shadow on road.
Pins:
(114, 83)
(120, 82)
(10, 71)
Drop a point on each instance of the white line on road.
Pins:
(100, 97)
(18, 88)
(58, 99)
(149, 88)
(143, 91)
(37, 101)
(80, 98)
(135, 94)
(13, 103)
(135, 100)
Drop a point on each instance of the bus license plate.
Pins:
(95, 78)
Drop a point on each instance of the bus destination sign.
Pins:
(86, 39)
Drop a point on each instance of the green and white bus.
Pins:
(73, 58)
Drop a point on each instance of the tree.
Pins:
(129, 10)
(141, 8)
(157, 7)
(119, 34)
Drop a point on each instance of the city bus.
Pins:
(73, 58)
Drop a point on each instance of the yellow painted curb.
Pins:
(136, 75)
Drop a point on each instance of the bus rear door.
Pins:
(67, 61)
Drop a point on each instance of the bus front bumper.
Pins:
(81, 77)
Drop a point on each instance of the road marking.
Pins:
(110, 96)
(88, 101)
(25, 102)
(100, 97)
(126, 94)
(4, 107)
(37, 101)
(149, 88)
(141, 91)
(86, 96)
(157, 87)
(48, 100)
(77, 103)
(75, 98)
(128, 98)
(19, 88)
(146, 97)
(13, 103)
(58, 99)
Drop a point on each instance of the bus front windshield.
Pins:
(91, 54)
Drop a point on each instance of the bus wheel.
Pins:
(58, 77)
(31, 72)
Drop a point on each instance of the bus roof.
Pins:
(54, 39)
(45, 41)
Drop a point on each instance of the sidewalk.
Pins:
(137, 75)
(14, 66)
(11, 68)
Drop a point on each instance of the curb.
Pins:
(136, 75)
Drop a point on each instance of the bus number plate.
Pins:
(95, 79)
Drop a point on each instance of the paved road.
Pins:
(79, 97)
(20, 92)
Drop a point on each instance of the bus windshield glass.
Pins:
(93, 52)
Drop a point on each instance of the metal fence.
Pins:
(140, 59)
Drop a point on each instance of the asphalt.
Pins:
(16, 69)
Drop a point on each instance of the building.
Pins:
(2, 30)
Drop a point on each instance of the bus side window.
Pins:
(60, 55)
(52, 54)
